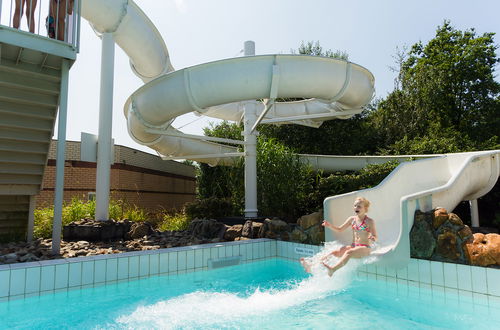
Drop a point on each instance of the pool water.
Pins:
(268, 294)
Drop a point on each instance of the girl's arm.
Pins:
(344, 226)
(373, 230)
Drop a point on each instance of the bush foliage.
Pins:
(118, 210)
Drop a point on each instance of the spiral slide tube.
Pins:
(334, 88)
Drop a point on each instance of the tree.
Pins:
(445, 91)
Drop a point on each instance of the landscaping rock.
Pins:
(316, 234)
(247, 230)
(140, 229)
(309, 220)
(422, 241)
(484, 250)
(298, 235)
(233, 232)
(207, 228)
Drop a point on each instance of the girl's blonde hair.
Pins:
(363, 200)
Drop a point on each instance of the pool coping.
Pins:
(22, 280)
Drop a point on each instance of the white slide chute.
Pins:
(423, 185)
(332, 88)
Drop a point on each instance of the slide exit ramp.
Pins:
(422, 185)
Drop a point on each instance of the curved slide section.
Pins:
(422, 185)
(333, 88)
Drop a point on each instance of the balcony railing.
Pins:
(56, 19)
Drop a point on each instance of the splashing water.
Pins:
(206, 309)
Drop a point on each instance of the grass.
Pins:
(118, 210)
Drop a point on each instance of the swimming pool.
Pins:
(268, 293)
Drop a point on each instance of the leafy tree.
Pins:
(446, 93)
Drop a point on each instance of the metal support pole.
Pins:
(250, 161)
(60, 157)
(474, 213)
(250, 116)
(31, 219)
(105, 125)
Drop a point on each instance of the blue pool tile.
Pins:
(163, 263)
(190, 259)
(198, 258)
(478, 280)
(256, 251)
(154, 264)
(88, 273)
(17, 281)
(424, 271)
(206, 256)
(33, 279)
(181, 260)
(62, 275)
(99, 271)
(133, 267)
(464, 277)
(75, 274)
(402, 273)
(437, 273)
(111, 270)
(48, 278)
(493, 281)
(144, 265)
(122, 268)
(221, 250)
(413, 270)
(450, 275)
(236, 249)
(4, 283)
(172, 261)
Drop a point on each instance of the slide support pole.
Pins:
(474, 213)
(105, 127)
(250, 117)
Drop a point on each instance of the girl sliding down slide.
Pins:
(364, 232)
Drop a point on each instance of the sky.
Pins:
(199, 31)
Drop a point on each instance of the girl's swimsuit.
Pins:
(362, 226)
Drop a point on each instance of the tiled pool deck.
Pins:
(35, 278)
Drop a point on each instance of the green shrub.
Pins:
(344, 182)
(78, 209)
(212, 207)
(174, 222)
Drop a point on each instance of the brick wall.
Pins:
(137, 178)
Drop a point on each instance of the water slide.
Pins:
(423, 185)
(221, 89)
(332, 89)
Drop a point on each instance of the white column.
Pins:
(60, 157)
(250, 161)
(105, 125)
(250, 116)
(474, 213)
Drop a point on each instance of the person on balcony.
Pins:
(56, 22)
(27, 6)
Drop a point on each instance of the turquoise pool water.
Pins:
(268, 294)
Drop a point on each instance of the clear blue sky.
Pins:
(198, 31)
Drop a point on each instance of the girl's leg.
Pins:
(30, 14)
(356, 252)
(307, 265)
(18, 11)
